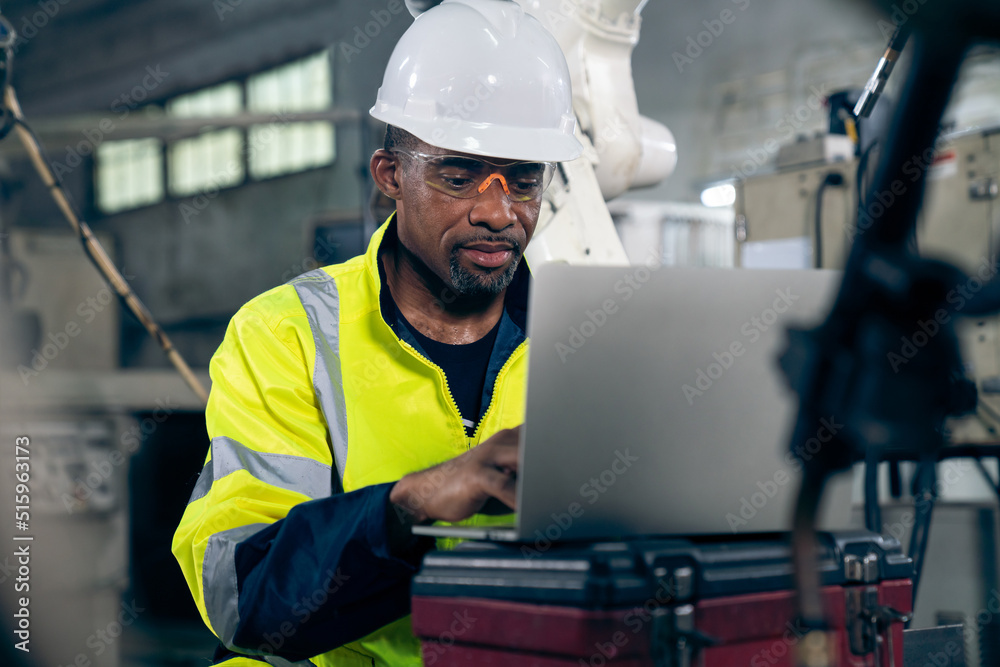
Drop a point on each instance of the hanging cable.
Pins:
(91, 246)
(832, 179)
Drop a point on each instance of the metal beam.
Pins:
(69, 130)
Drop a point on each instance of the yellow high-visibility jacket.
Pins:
(317, 406)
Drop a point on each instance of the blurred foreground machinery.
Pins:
(806, 209)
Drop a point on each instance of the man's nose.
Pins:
(493, 206)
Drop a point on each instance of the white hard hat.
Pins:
(481, 77)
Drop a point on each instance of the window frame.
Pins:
(244, 152)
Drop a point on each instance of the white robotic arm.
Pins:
(597, 37)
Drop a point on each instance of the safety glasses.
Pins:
(466, 177)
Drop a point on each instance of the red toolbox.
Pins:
(708, 602)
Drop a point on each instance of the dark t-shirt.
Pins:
(464, 367)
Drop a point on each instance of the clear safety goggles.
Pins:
(466, 177)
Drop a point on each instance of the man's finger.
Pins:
(504, 455)
(501, 486)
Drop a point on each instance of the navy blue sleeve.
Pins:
(323, 576)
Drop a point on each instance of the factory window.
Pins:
(212, 160)
(129, 174)
(281, 147)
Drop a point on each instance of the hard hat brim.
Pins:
(504, 142)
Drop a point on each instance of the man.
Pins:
(365, 397)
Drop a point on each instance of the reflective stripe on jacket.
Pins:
(315, 396)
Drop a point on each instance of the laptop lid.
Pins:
(655, 404)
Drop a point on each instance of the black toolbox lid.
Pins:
(612, 574)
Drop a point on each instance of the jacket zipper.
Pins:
(496, 383)
(444, 379)
(451, 399)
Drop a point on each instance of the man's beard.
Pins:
(471, 285)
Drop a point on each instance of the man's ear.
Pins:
(386, 172)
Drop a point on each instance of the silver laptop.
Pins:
(656, 407)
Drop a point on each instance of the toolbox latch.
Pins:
(675, 640)
(869, 624)
(863, 570)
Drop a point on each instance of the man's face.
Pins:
(473, 245)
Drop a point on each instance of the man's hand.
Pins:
(465, 485)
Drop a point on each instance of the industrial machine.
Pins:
(806, 212)
(804, 216)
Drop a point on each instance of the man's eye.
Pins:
(457, 181)
(526, 185)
